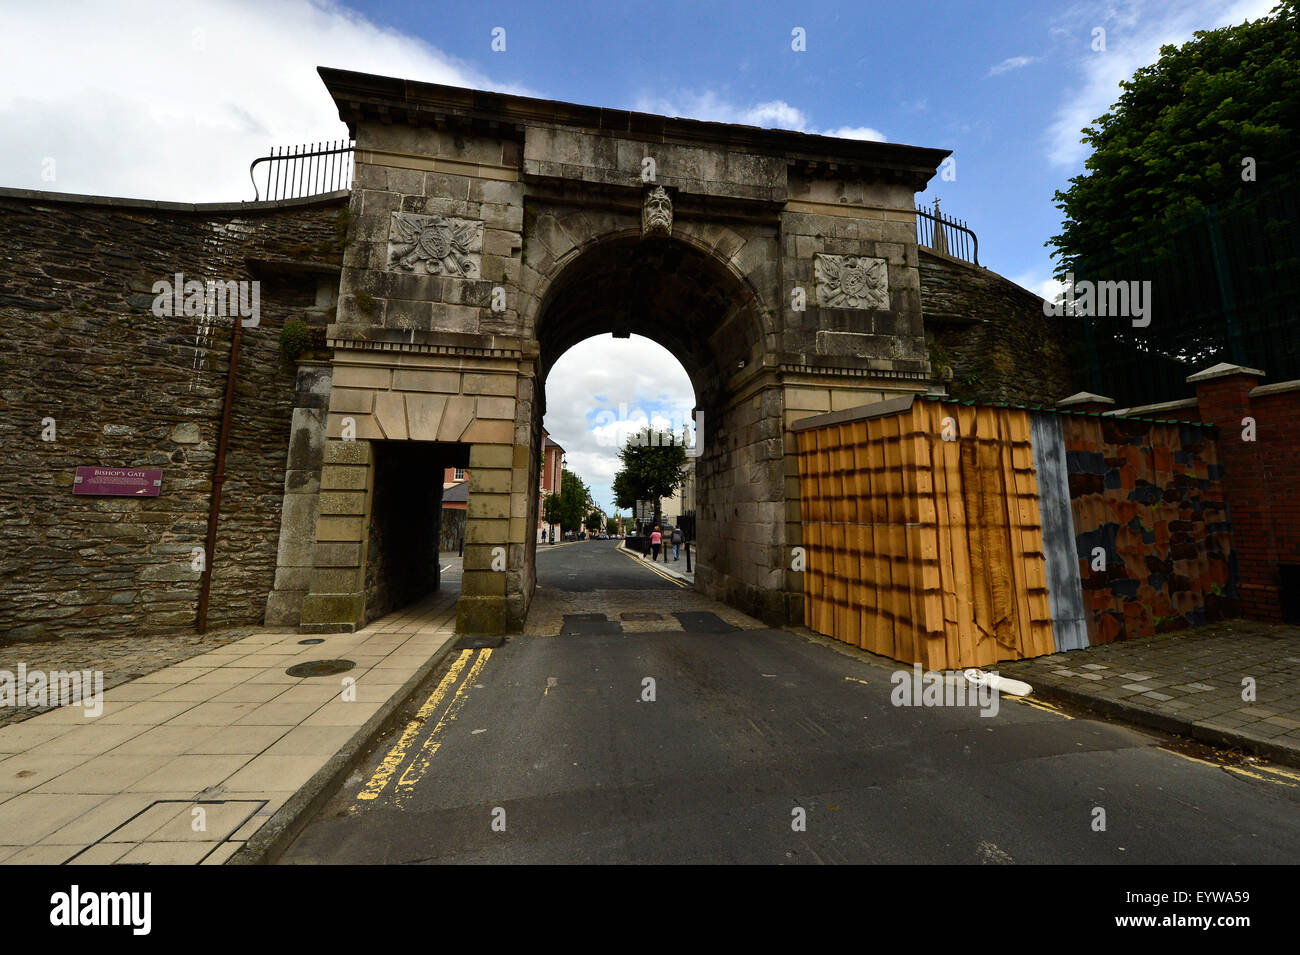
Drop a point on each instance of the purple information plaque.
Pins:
(122, 482)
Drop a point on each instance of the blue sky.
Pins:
(173, 100)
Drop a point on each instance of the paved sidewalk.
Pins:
(193, 762)
(674, 568)
(1188, 682)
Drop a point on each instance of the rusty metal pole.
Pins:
(218, 479)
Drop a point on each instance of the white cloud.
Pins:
(601, 390)
(712, 108)
(775, 114)
(1011, 63)
(173, 102)
(1040, 282)
(1135, 31)
(857, 132)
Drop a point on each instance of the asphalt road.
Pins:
(550, 749)
(593, 565)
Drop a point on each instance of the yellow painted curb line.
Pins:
(649, 563)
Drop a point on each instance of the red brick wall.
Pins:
(1263, 482)
(1277, 420)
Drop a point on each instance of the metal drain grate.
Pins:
(313, 640)
(320, 668)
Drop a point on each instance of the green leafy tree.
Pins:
(1181, 135)
(595, 521)
(651, 469)
(573, 500)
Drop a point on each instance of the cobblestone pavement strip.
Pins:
(1190, 682)
(120, 659)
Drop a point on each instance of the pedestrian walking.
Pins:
(677, 539)
(655, 540)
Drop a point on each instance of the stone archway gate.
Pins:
(471, 215)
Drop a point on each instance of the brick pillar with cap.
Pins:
(1086, 401)
(1223, 395)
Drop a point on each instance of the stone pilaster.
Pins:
(337, 599)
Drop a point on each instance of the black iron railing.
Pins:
(293, 172)
(943, 233)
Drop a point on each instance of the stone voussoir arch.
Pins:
(725, 251)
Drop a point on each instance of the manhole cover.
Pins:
(588, 624)
(702, 621)
(313, 640)
(320, 668)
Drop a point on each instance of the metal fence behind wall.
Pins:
(1225, 287)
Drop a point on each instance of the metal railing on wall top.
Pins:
(309, 169)
(947, 235)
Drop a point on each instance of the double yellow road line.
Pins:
(1261, 772)
(420, 764)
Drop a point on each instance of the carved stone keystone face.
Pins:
(657, 213)
(852, 281)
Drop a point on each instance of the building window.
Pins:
(459, 474)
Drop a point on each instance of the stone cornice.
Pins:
(898, 374)
(365, 97)
(353, 338)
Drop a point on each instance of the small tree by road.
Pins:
(654, 466)
(552, 509)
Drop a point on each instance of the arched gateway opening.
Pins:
(684, 297)
(488, 233)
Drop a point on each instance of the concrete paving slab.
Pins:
(1196, 683)
(225, 737)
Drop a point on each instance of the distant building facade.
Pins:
(552, 467)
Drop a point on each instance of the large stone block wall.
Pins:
(430, 173)
(422, 354)
(79, 344)
(838, 218)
